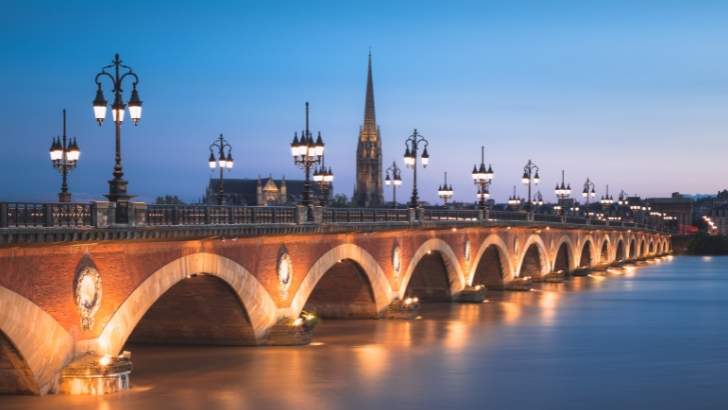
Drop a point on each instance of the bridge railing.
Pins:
(96, 214)
(48, 214)
(547, 218)
(362, 215)
(218, 215)
(507, 216)
(430, 215)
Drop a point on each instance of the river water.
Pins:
(653, 336)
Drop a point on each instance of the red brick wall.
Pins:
(562, 259)
(15, 376)
(489, 271)
(343, 293)
(531, 263)
(429, 281)
(586, 254)
(197, 310)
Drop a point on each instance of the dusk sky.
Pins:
(633, 94)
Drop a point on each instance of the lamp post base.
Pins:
(64, 197)
(117, 193)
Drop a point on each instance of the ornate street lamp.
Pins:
(562, 192)
(538, 200)
(623, 203)
(64, 159)
(482, 178)
(635, 207)
(410, 160)
(117, 186)
(307, 153)
(514, 201)
(226, 162)
(324, 177)
(574, 209)
(396, 181)
(527, 171)
(445, 192)
(586, 194)
(606, 202)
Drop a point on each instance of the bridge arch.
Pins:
(588, 253)
(620, 254)
(651, 247)
(606, 250)
(632, 248)
(37, 347)
(380, 288)
(260, 308)
(563, 258)
(455, 275)
(534, 259)
(642, 248)
(492, 264)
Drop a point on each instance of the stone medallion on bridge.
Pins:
(396, 262)
(88, 295)
(284, 272)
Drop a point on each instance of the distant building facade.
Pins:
(676, 206)
(719, 216)
(368, 189)
(272, 192)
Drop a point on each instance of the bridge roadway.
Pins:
(72, 282)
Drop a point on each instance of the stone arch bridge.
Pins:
(71, 282)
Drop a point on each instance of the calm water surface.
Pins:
(650, 337)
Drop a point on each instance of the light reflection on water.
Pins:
(649, 337)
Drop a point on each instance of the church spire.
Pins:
(370, 118)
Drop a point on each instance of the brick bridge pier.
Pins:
(71, 282)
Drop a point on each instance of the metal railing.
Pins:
(361, 215)
(449, 215)
(507, 216)
(576, 220)
(547, 218)
(55, 215)
(218, 215)
(47, 215)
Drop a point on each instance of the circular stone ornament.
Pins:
(88, 295)
(397, 262)
(285, 273)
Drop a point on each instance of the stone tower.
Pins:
(368, 190)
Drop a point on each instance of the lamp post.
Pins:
(64, 159)
(324, 177)
(606, 202)
(482, 178)
(622, 201)
(306, 153)
(586, 194)
(410, 160)
(396, 181)
(117, 186)
(635, 207)
(226, 162)
(445, 192)
(514, 201)
(538, 200)
(574, 209)
(562, 192)
(527, 171)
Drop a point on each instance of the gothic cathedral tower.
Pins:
(368, 190)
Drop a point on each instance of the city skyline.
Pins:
(630, 108)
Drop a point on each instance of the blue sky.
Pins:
(631, 94)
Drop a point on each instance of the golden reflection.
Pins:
(630, 271)
(373, 361)
(548, 301)
(457, 334)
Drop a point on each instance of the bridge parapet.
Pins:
(24, 222)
